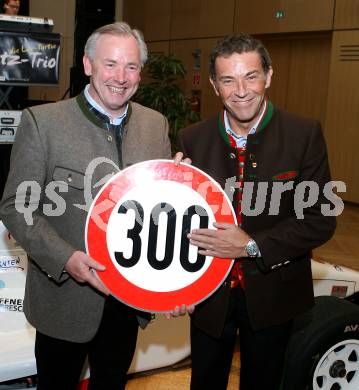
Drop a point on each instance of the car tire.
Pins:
(323, 352)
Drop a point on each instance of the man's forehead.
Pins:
(118, 41)
(114, 36)
(240, 62)
(244, 56)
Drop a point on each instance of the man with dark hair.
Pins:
(11, 7)
(66, 149)
(251, 143)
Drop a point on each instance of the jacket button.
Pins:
(232, 156)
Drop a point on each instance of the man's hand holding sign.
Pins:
(228, 241)
(80, 266)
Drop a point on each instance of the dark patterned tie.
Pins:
(115, 129)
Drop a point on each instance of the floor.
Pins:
(342, 249)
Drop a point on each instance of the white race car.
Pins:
(324, 350)
(323, 353)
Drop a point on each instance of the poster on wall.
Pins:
(29, 58)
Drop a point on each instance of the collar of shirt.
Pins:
(115, 121)
(241, 140)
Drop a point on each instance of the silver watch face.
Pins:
(252, 248)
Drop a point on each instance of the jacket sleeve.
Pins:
(21, 205)
(296, 234)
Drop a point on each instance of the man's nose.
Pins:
(241, 88)
(120, 75)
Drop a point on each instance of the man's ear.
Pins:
(269, 77)
(87, 65)
(213, 83)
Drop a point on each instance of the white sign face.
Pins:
(138, 225)
(144, 273)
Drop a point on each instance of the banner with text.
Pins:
(29, 58)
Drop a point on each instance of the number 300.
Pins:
(134, 235)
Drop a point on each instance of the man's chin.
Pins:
(244, 117)
(118, 105)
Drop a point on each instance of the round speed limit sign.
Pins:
(138, 225)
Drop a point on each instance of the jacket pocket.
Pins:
(71, 177)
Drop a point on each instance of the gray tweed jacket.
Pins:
(56, 143)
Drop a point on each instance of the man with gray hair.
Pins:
(60, 148)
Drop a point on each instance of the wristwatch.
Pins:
(252, 248)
